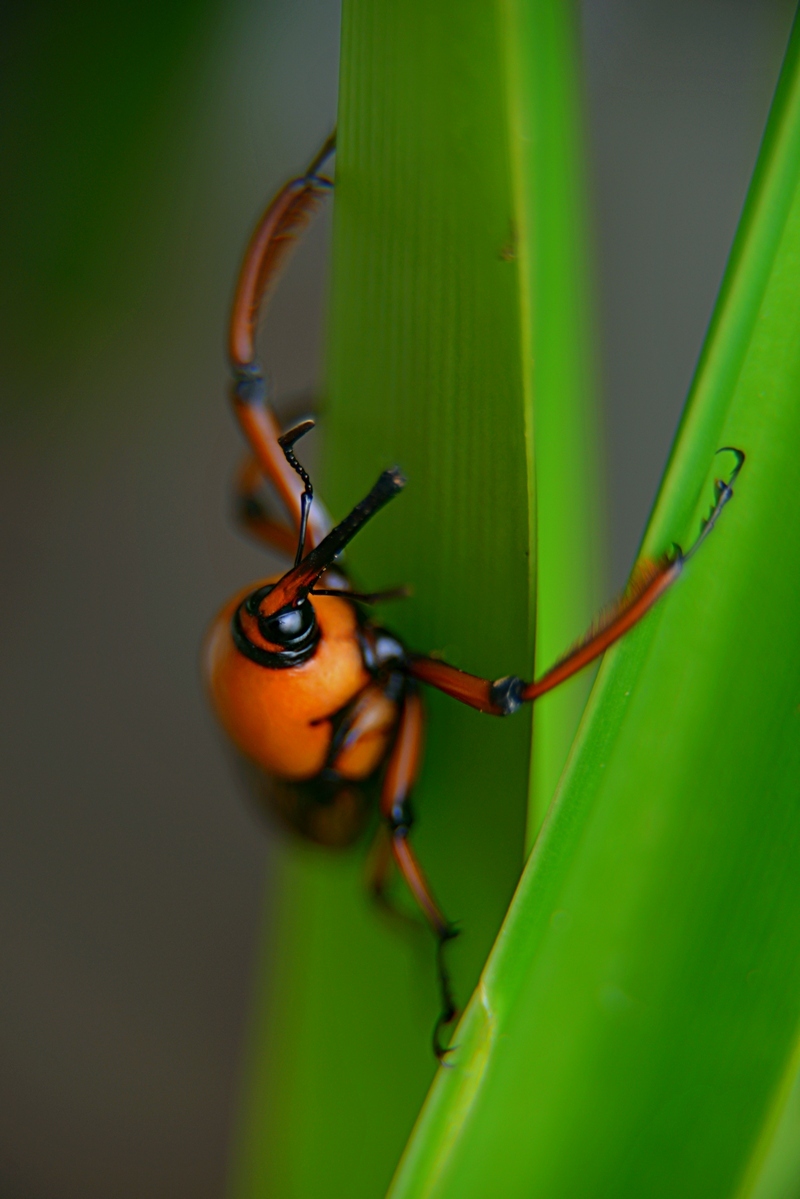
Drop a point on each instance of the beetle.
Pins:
(321, 700)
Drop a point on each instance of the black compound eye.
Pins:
(290, 627)
(292, 630)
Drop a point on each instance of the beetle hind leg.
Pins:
(449, 1009)
(267, 254)
(380, 870)
(401, 774)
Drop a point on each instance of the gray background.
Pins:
(132, 874)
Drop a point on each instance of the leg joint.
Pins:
(506, 694)
(400, 818)
(249, 384)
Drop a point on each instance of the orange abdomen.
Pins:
(280, 719)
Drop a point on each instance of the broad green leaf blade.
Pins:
(439, 309)
(636, 1029)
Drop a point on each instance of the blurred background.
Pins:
(139, 143)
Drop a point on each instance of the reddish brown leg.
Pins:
(260, 426)
(504, 696)
(380, 868)
(648, 583)
(270, 246)
(401, 774)
(252, 516)
(266, 255)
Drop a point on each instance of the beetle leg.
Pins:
(504, 696)
(251, 514)
(270, 245)
(362, 730)
(262, 430)
(266, 255)
(401, 774)
(649, 581)
(379, 871)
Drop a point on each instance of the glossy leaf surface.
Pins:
(635, 1031)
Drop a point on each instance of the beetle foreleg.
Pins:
(649, 581)
(504, 696)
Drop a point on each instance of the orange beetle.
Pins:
(319, 699)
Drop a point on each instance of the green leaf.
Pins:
(635, 1032)
(458, 335)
